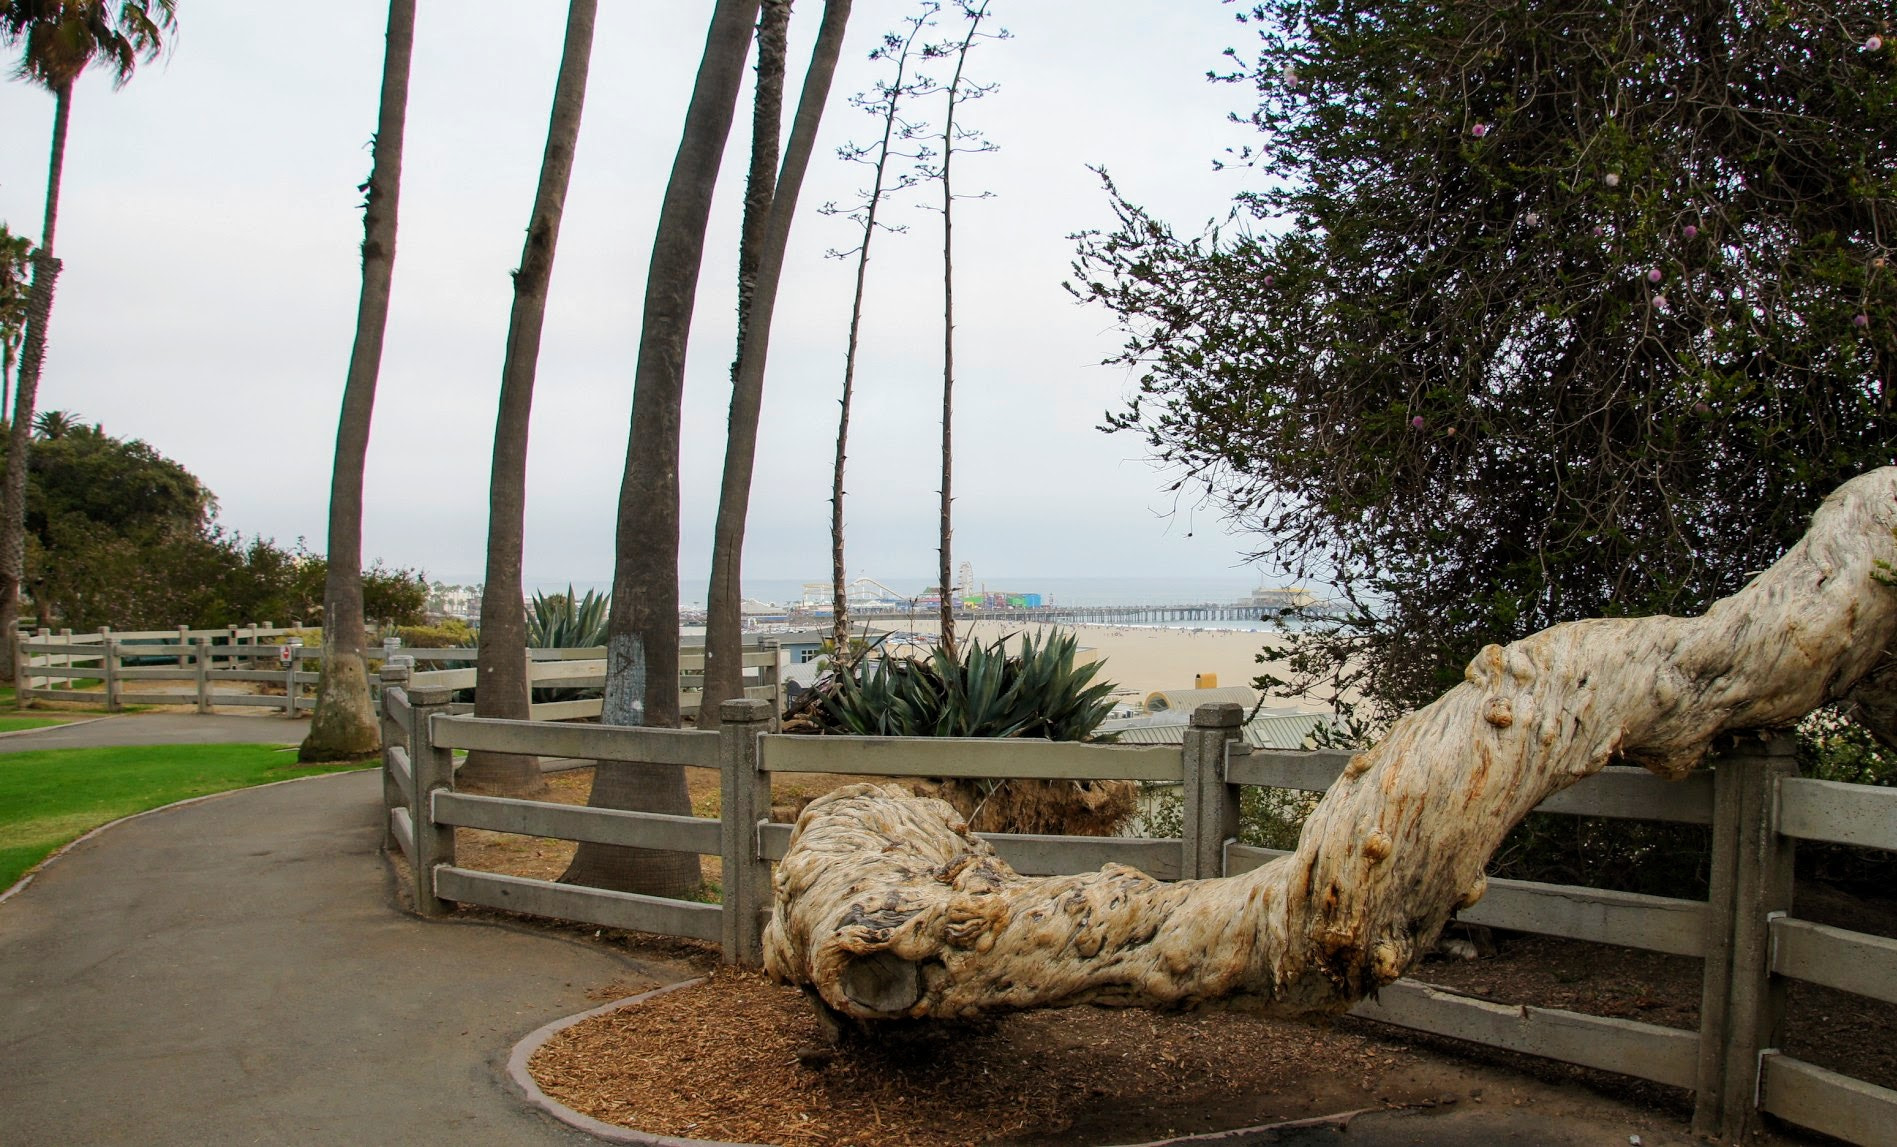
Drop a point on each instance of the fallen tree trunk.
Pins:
(886, 907)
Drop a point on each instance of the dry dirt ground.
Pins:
(745, 1060)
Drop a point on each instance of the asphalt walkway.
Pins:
(236, 971)
(159, 729)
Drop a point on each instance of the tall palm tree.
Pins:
(502, 666)
(723, 638)
(642, 631)
(59, 40)
(16, 262)
(343, 725)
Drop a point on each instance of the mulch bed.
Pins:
(741, 1059)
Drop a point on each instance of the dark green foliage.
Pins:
(117, 534)
(16, 257)
(1037, 692)
(568, 621)
(1535, 311)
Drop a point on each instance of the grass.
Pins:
(15, 724)
(53, 796)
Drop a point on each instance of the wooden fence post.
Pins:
(434, 769)
(396, 677)
(201, 654)
(184, 639)
(111, 660)
(1211, 805)
(289, 683)
(746, 791)
(1740, 1004)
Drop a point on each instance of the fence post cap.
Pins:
(1218, 715)
(394, 674)
(430, 695)
(744, 710)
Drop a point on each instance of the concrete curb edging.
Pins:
(20, 884)
(523, 1080)
(50, 728)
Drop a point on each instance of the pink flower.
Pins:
(1655, 275)
(1451, 432)
(1417, 422)
(1612, 179)
(1690, 231)
(1479, 130)
(1861, 321)
(1599, 231)
(1875, 43)
(1270, 279)
(1660, 301)
(1701, 408)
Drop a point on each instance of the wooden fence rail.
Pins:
(1744, 933)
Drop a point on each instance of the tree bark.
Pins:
(39, 312)
(344, 725)
(642, 629)
(724, 599)
(724, 636)
(503, 688)
(888, 908)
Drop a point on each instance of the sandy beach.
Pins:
(1143, 659)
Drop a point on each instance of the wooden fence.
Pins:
(49, 666)
(197, 661)
(1753, 801)
(586, 669)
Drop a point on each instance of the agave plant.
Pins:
(568, 621)
(986, 692)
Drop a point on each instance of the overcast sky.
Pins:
(209, 227)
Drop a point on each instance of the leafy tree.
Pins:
(642, 630)
(502, 664)
(120, 535)
(16, 261)
(770, 206)
(58, 39)
(1534, 311)
(343, 726)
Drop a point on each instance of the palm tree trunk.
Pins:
(344, 725)
(39, 311)
(724, 600)
(503, 689)
(747, 394)
(642, 630)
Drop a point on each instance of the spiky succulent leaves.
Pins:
(568, 621)
(1038, 692)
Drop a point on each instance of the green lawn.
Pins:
(50, 797)
(15, 724)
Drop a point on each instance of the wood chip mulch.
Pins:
(741, 1059)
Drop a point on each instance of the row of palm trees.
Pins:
(62, 37)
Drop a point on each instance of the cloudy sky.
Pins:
(209, 228)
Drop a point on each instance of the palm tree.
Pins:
(724, 667)
(60, 39)
(504, 690)
(16, 261)
(343, 725)
(642, 631)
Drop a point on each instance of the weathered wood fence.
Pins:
(196, 661)
(1744, 933)
(49, 665)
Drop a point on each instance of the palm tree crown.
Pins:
(61, 38)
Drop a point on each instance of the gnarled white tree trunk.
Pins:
(888, 908)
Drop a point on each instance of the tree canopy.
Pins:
(1533, 311)
(120, 535)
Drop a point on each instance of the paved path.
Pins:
(235, 971)
(159, 729)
